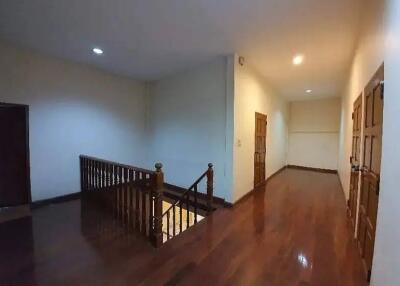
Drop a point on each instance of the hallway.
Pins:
(294, 233)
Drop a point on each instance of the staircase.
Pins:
(177, 216)
(141, 202)
(173, 193)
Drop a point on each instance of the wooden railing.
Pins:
(174, 217)
(133, 194)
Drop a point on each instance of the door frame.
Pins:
(376, 79)
(255, 136)
(354, 220)
(27, 151)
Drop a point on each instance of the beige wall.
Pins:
(253, 94)
(386, 264)
(369, 55)
(367, 59)
(314, 133)
(380, 26)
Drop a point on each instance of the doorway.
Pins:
(14, 155)
(370, 167)
(260, 149)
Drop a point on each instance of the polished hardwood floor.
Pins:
(292, 232)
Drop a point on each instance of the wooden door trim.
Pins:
(370, 169)
(354, 194)
(28, 168)
(262, 182)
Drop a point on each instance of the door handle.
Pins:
(355, 168)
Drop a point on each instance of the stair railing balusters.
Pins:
(133, 194)
(119, 192)
(151, 206)
(143, 212)
(137, 203)
(96, 175)
(167, 225)
(187, 211)
(81, 173)
(185, 199)
(136, 196)
(125, 190)
(210, 188)
(174, 221)
(100, 167)
(180, 216)
(104, 175)
(195, 204)
(158, 211)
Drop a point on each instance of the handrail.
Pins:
(186, 192)
(185, 198)
(116, 163)
(133, 194)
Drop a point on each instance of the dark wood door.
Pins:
(14, 155)
(260, 149)
(355, 159)
(370, 171)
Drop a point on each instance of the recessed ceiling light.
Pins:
(298, 59)
(308, 90)
(97, 51)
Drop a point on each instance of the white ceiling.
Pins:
(149, 39)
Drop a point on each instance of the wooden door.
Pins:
(355, 159)
(370, 171)
(260, 149)
(14, 155)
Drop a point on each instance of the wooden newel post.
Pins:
(158, 201)
(210, 187)
(81, 168)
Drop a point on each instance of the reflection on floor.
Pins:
(11, 213)
(168, 226)
(293, 232)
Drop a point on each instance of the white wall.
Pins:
(188, 126)
(371, 52)
(367, 59)
(199, 116)
(314, 133)
(74, 109)
(387, 251)
(253, 94)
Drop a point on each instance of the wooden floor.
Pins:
(295, 232)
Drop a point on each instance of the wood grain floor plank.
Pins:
(294, 231)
